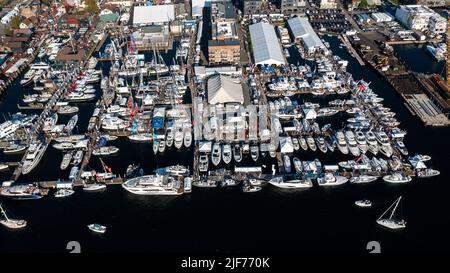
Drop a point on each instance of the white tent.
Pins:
(310, 113)
(417, 163)
(222, 89)
(147, 15)
(265, 44)
(286, 145)
(205, 146)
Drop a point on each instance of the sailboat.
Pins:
(391, 222)
(11, 223)
(106, 174)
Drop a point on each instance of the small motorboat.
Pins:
(60, 193)
(363, 203)
(94, 187)
(97, 228)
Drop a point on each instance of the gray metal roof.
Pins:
(301, 28)
(266, 48)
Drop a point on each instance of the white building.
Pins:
(7, 17)
(157, 14)
(223, 89)
(303, 32)
(197, 8)
(421, 18)
(328, 4)
(265, 45)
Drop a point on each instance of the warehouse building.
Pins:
(303, 32)
(265, 45)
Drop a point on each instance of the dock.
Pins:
(351, 49)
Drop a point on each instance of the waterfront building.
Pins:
(252, 6)
(291, 6)
(224, 52)
(418, 17)
(197, 8)
(429, 3)
(328, 4)
(157, 36)
(223, 11)
(265, 45)
(157, 14)
(223, 89)
(303, 32)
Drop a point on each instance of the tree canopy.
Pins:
(91, 6)
(15, 22)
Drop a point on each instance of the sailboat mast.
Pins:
(386, 211)
(4, 213)
(396, 205)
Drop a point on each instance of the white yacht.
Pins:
(216, 154)
(33, 156)
(94, 187)
(187, 141)
(67, 110)
(385, 145)
(153, 185)
(361, 140)
(67, 158)
(226, 153)
(237, 153)
(254, 152)
(311, 143)
(391, 222)
(287, 163)
(71, 124)
(297, 165)
(329, 179)
(50, 122)
(106, 150)
(61, 193)
(352, 145)
(341, 143)
(147, 137)
(272, 150)
(321, 144)
(97, 228)
(295, 143)
(15, 148)
(290, 184)
(79, 97)
(77, 158)
(22, 192)
(425, 173)
(179, 136)
(303, 143)
(372, 142)
(397, 178)
(363, 203)
(362, 179)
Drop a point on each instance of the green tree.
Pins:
(91, 6)
(363, 4)
(15, 22)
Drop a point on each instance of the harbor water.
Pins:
(226, 220)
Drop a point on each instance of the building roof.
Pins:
(301, 28)
(266, 48)
(197, 7)
(145, 15)
(223, 43)
(222, 89)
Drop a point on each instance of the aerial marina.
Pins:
(220, 102)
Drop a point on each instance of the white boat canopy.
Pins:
(286, 145)
(205, 146)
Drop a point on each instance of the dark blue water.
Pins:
(227, 220)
